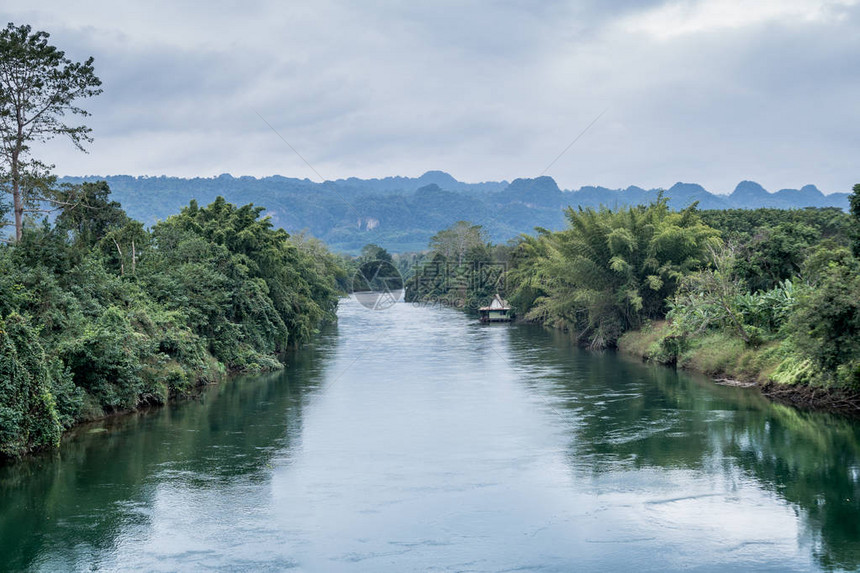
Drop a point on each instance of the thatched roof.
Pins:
(498, 303)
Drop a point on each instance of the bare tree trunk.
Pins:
(17, 201)
(121, 264)
(19, 211)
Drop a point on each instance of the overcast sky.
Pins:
(709, 91)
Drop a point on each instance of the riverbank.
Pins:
(728, 360)
(92, 413)
(86, 331)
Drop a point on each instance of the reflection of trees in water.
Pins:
(75, 503)
(638, 416)
(811, 460)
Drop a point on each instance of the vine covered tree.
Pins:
(39, 88)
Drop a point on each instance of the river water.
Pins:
(416, 439)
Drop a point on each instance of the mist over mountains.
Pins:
(402, 213)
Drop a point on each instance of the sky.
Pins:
(702, 91)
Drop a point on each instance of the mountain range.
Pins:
(402, 213)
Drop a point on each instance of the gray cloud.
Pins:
(704, 91)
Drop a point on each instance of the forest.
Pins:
(100, 315)
(768, 296)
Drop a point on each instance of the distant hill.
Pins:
(402, 213)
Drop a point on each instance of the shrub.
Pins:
(28, 411)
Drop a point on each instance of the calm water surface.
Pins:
(417, 439)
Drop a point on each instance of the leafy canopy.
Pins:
(610, 270)
(39, 88)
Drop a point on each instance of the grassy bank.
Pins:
(772, 366)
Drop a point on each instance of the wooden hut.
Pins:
(498, 311)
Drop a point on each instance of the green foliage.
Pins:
(816, 313)
(610, 270)
(742, 226)
(769, 310)
(28, 411)
(106, 360)
(408, 263)
(716, 353)
(39, 89)
(826, 325)
(455, 242)
(773, 244)
(371, 252)
(239, 280)
(127, 317)
(823, 257)
(462, 270)
(709, 299)
(797, 370)
(774, 254)
(781, 303)
(375, 271)
(854, 205)
(88, 215)
(526, 276)
(716, 298)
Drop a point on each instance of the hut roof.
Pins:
(498, 303)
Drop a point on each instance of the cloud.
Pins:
(711, 92)
(687, 17)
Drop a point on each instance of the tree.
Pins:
(373, 252)
(38, 90)
(454, 242)
(90, 220)
(609, 270)
(376, 271)
(775, 254)
(241, 282)
(459, 270)
(854, 202)
(87, 213)
(826, 324)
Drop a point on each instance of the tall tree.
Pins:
(372, 252)
(854, 202)
(38, 90)
(454, 242)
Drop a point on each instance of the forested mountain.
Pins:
(402, 213)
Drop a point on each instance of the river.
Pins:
(417, 439)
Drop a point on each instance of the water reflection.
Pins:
(416, 438)
(635, 417)
(76, 506)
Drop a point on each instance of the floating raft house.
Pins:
(498, 311)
